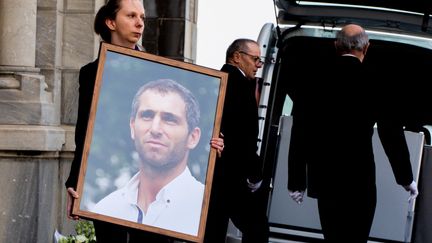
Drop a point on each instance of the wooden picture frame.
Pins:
(109, 185)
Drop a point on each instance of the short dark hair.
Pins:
(164, 86)
(238, 45)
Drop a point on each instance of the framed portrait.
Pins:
(147, 161)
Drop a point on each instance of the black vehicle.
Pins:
(400, 34)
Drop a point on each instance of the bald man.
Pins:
(331, 147)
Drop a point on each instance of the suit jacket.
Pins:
(331, 138)
(87, 78)
(239, 125)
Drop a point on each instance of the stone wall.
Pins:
(42, 46)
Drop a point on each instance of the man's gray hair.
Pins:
(346, 43)
(164, 86)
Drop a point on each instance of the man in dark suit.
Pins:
(331, 150)
(236, 193)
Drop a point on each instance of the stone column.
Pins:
(24, 95)
(18, 35)
(170, 29)
(33, 145)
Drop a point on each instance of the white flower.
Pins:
(81, 238)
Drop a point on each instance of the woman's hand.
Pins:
(71, 195)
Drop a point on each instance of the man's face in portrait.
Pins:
(160, 130)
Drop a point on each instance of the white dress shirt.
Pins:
(177, 206)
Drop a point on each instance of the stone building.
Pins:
(43, 43)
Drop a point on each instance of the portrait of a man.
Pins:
(164, 128)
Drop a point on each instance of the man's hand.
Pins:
(218, 144)
(254, 186)
(71, 195)
(297, 196)
(412, 189)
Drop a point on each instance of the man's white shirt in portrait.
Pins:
(177, 206)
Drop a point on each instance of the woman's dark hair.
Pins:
(107, 11)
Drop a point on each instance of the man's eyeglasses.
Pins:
(257, 59)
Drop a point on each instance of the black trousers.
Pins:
(247, 211)
(347, 218)
(112, 233)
